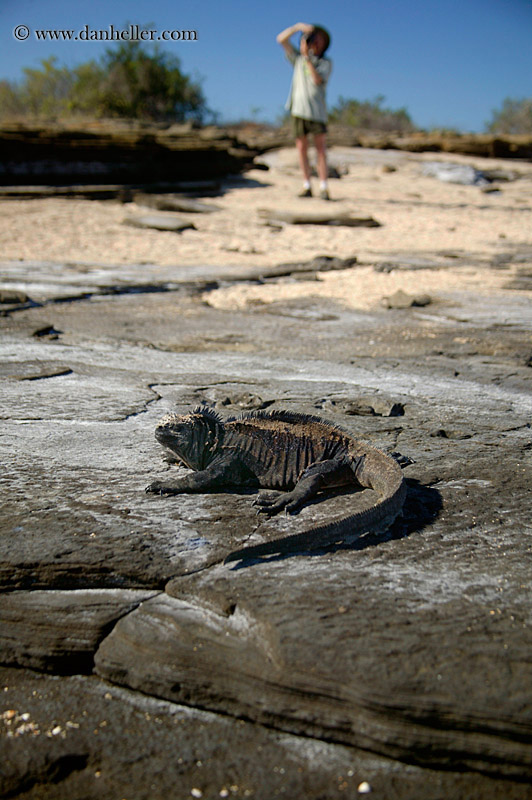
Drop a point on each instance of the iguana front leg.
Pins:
(322, 474)
(204, 480)
(226, 470)
(196, 482)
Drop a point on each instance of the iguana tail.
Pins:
(376, 471)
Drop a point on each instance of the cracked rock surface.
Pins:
(138, 665)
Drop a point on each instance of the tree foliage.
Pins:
(43, 92)
(515, 116)
(370, 115)
(128, 81)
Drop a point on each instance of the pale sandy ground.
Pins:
(419, 215)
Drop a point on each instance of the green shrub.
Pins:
(515, 116)
(370, 115)
(128, 81)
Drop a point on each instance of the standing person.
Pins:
(306, 101)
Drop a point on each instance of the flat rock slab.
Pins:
(224, 640)
(321, 264)
(276, 216)
(34, 370)
(160, 222)
(63, 629)
(69, 391)
(24, 284)
(174, 202)
(124, 192)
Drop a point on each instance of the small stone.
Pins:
(400, 299)
(12, 297)
(47, 331)
(196, 792)
(233, 246)
(367, 406)
(364, 788)
(447, 433)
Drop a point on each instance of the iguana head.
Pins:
(193, 438)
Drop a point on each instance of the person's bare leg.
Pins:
(320, 142)
(302, 150)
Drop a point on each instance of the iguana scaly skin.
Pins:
(297, 453)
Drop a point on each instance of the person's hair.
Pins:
(326, 35)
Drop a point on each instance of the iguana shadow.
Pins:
(422, 507)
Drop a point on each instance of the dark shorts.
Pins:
(302, 127)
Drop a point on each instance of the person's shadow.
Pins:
(422, 506)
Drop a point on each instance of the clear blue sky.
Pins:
(449, 62)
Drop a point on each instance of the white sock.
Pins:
(323, 185)
(306, 184)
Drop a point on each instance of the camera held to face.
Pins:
(318, 39)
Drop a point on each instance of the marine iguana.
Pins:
(299, 453)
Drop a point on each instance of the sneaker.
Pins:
(324, 194)
(305, 193)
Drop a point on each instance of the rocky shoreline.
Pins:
(110, 152)
(136, 664)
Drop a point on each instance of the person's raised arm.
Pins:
(284, 37)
